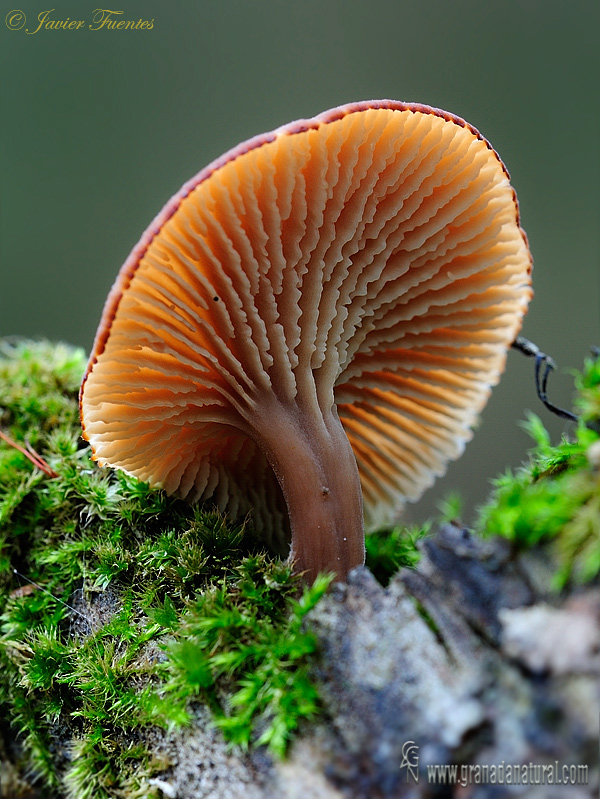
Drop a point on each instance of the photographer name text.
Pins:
(101, 19)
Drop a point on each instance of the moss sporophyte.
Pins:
(134, 607)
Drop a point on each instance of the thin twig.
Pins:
(58, 599)
(31, 455)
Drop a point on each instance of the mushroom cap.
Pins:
(373, 252)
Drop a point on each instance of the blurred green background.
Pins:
(101, 127)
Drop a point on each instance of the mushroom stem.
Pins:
(316, 469)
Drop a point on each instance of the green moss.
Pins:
(587, 400)
(555, 498)
(390, 550)
(250, 636)
(142, 606)
(197, 610)
(451, 508)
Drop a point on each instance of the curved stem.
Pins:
(316, 469)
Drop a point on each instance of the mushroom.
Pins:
(311, 326)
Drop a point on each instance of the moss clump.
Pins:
(390, 550)
(555, 498)
(196, 609)
(120, 607)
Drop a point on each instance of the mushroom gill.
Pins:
(312, 325)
